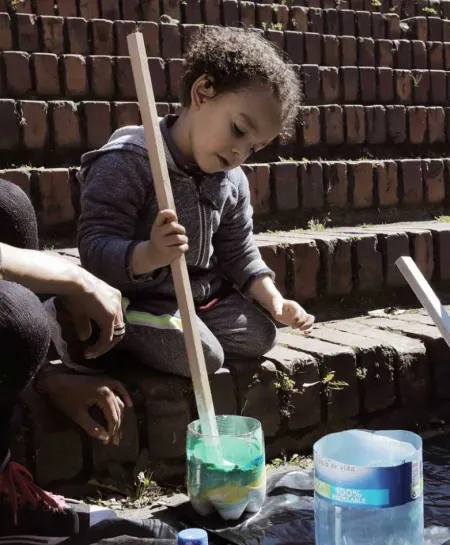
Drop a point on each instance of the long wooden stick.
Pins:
(165, 199)
(426, 295)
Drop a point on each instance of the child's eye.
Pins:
(237, 130)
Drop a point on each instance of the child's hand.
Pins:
(292, 314)
(168, 240)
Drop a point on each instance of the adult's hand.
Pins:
(76, 394)
(102, 304)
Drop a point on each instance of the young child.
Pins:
(238, 96)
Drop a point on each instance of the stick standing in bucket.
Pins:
(157, 157)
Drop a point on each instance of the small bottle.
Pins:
(192, 536)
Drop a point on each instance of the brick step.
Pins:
(216, 12)
(343, 22)
(287, 192)
(39, 76)
(60, 35)
(61, 130)
(392, 369)
(422, 28)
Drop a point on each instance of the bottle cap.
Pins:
(193, 536)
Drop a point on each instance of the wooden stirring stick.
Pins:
(180, 275)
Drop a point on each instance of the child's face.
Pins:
(226, 129)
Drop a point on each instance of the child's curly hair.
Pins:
(238, 58)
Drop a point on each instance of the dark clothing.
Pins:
(24, 329)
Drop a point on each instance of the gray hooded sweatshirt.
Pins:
(118, 208)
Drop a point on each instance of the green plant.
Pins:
(443, 219)
(376, 3)
(316, 225)
(277, 26)
(393, 9)
(361, 373)
(286, 159)
(329, 382)
(429, 11)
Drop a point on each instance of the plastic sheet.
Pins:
(287, 517)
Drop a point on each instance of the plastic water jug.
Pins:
(369, 488)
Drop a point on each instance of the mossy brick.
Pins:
(151, 10)
(36, 125)
(286, 185)
(17, 72)
(167, 414)
(341, 404)
(102, 37)
(386, 173)
(97, 120)
(420, 56)
(311, 185)
(259, 181)
(150, 33)
(333, 119)
(366, 51)
(375, 366)
(274, 255)
(52, 34)
(417, 121)
(361, 176)
(385, 85)
(257, 393)
(331, 88)
(379, 30)
(403, 86)
(121, 31)
(77, 35)
(131, 10)
(54, 197)
(412, 186)
(435, 55)
(125, 113)
(403, 53)
(27, 32)
(247, 14)
(109, 9)
(376, 124)
(304, 403)
(433, 171)
(263, 15)
(369, 263)
(368, 84)
(349, 55)
(10, 134)
(5, 32)
(315, 21)
(348, 26)
(384, 53)
(46, 74)
(336, 180)
(435, 125)
(396, 124)
(313, 48)
(299, 16)
(88, 9)
(170, 41)
(305, 258)
(311, 126)
(66, 124)
(350, 83)
(75, 75)
(421, 86)
(310, 77)
(101, 70)
(295, 47)
(363, 24)
(331, 21)
(438, 87)
(331, 51)
(336, 259)
(410, 359)
(355, 124)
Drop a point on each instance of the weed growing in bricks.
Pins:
(361, 373)
(376, 3)
(415, 79)
(287, 159)
(393, 9)
(316, 225)
(286, 389)
(296, 460)
(429, 11)
(443, 219)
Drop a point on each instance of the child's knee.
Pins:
(214, 357)
(263, 335)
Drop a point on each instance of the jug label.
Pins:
(376, 487)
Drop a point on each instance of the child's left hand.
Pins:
(292, 314)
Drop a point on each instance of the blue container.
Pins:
(192, 536)
(369, 488)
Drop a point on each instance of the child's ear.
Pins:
(202, 90)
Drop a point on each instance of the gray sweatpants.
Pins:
(232, 328)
